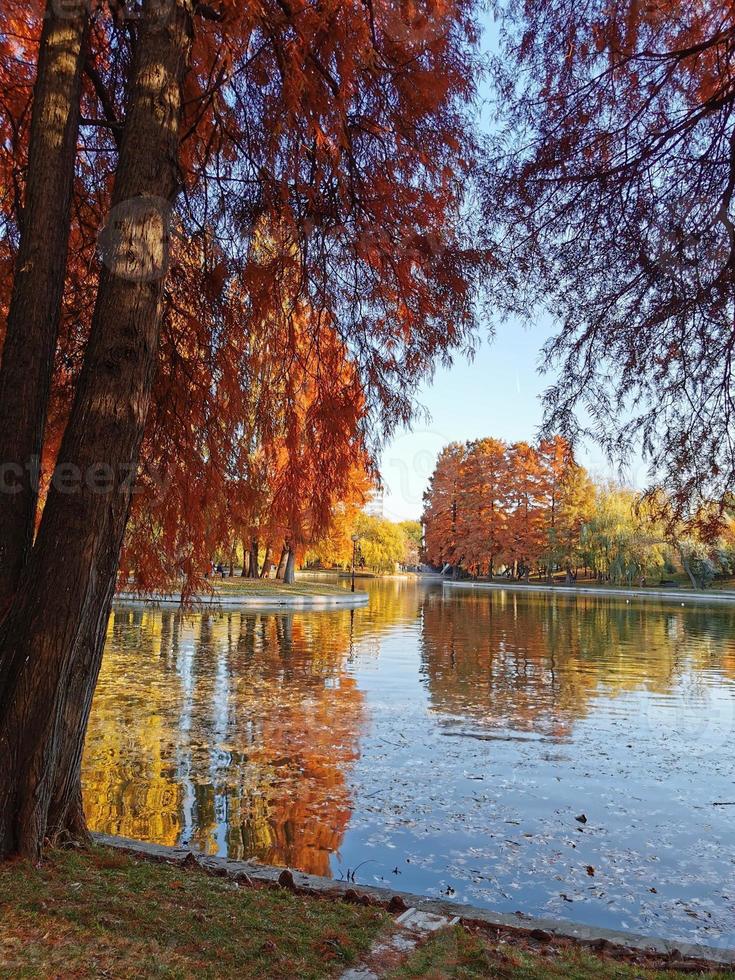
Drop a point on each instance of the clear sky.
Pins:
(498, 394)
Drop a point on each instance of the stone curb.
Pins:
(680, 597)
(534, 928)
(350, 600)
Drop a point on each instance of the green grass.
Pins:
(464, 955)
(102, 913)
(682, 584)
(269, 586)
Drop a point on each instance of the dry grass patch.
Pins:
(463, 954)
(100, 913)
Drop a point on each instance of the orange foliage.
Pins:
(490, 505)
(319, 263)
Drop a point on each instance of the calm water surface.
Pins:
(439, 745)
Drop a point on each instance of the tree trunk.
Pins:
(266, 562)
(289, 576)
(66, 819)
(281, 570)
(51, 640)
(35, 303)
(245, 561)
(254, 560)
(688, 569)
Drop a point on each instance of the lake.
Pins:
(569, 756)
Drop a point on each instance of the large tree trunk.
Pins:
(35, 302)
(51, 641)
(289, 576)
(281, 570)
(66, 819)
(254, 559)
(266, 562)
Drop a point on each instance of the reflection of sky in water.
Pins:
(443, 746)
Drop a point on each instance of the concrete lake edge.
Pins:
(674, 596)
(254, 601)
(511, 922)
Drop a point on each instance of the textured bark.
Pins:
(66, 819)
(254, 559)
(266, 562)
(289, 576)
(281, 570)
(51, 641)
(35, 303)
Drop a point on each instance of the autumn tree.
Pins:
(609, 194)
(442, 508)
(569, 502)
(490, 506)
(528, 489)
(34, 306)
(484, 510)
(341, 128)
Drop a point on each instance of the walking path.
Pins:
(683, 596)
(413, 928)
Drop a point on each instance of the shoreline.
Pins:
(512, 922)
(256, 600)
(673, 595)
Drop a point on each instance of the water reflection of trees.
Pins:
(236, 733)
(536, 663)
(233, 732)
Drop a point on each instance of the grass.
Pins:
(269, 586)
(681, 584)
(457, 953)
(101, 913)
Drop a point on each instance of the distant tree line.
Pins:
(381, 545)
(527, 510)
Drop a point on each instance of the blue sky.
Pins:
(498, 394)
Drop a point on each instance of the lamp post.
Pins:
(355, 539)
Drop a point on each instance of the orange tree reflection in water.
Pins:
(538, 663)
(234, 733)
(493, 721)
